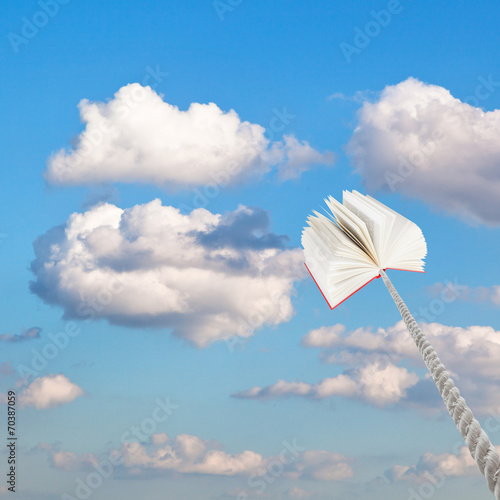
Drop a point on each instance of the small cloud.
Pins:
(297, 492)
(66, 460)
(30, 334)
(360, 96)
(376, 383)
(49, 391)
(431, 466)
(419, 140)
(298, 157)
(337, 95)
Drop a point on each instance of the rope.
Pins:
(481, 449)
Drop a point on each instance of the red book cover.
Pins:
(369, 281)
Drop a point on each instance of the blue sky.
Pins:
(265, 60)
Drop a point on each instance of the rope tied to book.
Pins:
(480, 447)
(347, 251)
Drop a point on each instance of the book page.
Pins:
(353, 226)
(373, 218)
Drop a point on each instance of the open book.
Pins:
(346, 249)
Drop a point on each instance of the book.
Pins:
(347, 247)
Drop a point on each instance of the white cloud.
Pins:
(29, 334)
(297, 157)
(471, 354)
(337, 95)
(478, 345)
(187, 454)
(203, 275)
(137, 137)
(326, 336)
(433, 465)
(378, 384)
(160, 438)
(70, 461)
(323, 466)
(421, 141)
(49, 391)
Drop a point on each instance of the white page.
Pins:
(353, 225)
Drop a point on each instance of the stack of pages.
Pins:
(346, 249)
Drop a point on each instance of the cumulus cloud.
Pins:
(479, 346)
(188, 454)
(49, 391)
(137, 137)
(296, 157)
(360, 96)
(431, 466)
(376, 383)
(29, 334)
(69, 461)
(205, 276)
(421, 141)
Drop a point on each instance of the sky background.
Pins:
(262, 60)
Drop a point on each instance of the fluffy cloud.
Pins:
(430, 466)
(421, 141)
(296, 157)
(30, 334)
(69, 461)
(49, 391)
(203, 275)
(374, 383)
(190, 454)
(479, 346)
(137, 137)
(187, 454)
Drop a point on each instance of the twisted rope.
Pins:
(481, 449)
